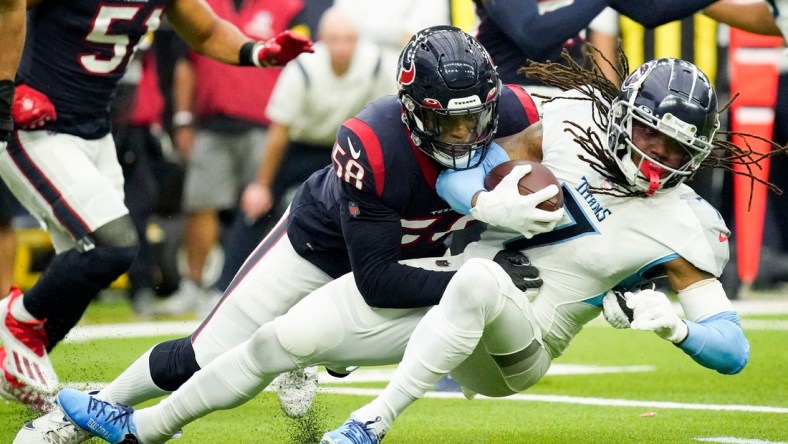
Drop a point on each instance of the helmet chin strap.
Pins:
(653, 174)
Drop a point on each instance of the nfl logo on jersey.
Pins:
(352, 207)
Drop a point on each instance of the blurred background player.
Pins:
(390, 25)
(138, 131)
(62, 165)
(220, 129)
(312, 97)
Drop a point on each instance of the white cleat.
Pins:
(52, 428)
(14, 390)
(297, 390)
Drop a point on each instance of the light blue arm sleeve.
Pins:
(718, 343)
(458, 187)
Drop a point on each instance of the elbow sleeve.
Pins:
(718, 343)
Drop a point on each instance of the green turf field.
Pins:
(670, 400)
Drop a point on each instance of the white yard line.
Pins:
(606, 402)
(384, 375)
(734, 440)
(560, 399)
(83, 333)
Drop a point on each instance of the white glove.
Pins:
(653, 312)
(505, 207)
(613, 306)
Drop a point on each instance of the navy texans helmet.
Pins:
(673, 97)
(449, 90)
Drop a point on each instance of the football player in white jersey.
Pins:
(622, 161)
(493, 338)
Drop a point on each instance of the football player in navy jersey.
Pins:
(61, 162)
(374, 206)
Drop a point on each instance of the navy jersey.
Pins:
(77, 51)
(545, 35)
(377, 204)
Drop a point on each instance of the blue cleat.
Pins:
(111, 422)
(352, 432)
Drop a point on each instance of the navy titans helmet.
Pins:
(673, 97)
(446, 78)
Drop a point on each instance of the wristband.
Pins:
(248, 55)
(182, 118)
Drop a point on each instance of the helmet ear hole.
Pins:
(444, 72)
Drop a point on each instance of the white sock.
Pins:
(134, 385)
(19, 312)
(228, 381)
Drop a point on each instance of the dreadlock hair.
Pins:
(599, 90)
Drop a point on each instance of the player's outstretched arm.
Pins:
(750, 17)
(652, 13)
(711, 334)
(536, 32)
(208, 34)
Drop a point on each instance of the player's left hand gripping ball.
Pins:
(31, 108)
(283, 48)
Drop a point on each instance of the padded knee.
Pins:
(172, 363)
(115, 247)
(267, 353)
(120, 232)
(474, 287)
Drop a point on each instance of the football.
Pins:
(539, 177)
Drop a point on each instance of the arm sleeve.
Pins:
(373, 239)
(457, 187)
(718, 343)
(536, 33)
(652, 13)
(372, 228)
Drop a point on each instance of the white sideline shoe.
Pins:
(186, 299)
(296, 390)
(52, 428)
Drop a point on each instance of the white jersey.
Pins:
(604, 241)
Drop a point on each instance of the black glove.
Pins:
(622, 301)
(524, 275)
(6, 98)
(622, 304)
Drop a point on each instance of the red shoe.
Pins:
(26, 358)
(14, 390)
